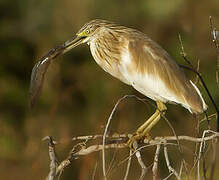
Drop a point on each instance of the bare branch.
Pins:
(105, 133)
(94, 172)
(111, 165)
(197, 69)
(119, 142)
(214, 33)
(128, 165)
(107, 126)
(214, 146)
(201, 151)
(138, 155)
(181, 169)
(171, 169)
(52, 156)
(168, 176)
(155, 166)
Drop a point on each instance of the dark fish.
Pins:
(39, 71)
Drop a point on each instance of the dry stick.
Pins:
(171, 170)
(195, 116)
(201, 152)
(86, 151)
(168, 176)
(188, 138)
(107, 126)
(181, 169)
(214, 144)
(128, 165)
(209, 117)
(143, 167)
(65, 163)
(192, 69)
(111, 163)
(157, 140)
(94, 172)
(52, 156)
(93, 137)
(200, 77)
(155, 166)
(180, 148)
(196, 144)
(203, 162)
(118, 145)
(139, 149)
(105, 132)
(141, 163)
(205, 151)
(197, 69)
(214, 32)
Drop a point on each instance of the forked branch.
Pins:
(118, 142)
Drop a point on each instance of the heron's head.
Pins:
(87, 33)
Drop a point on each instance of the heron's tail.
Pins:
(200, 105)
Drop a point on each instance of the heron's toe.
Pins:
(136, 139)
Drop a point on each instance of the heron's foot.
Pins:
(137, 139)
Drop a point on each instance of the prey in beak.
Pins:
(40, 68)
(72, 43)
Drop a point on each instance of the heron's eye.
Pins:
(87, 31)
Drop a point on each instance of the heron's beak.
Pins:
(71, 43)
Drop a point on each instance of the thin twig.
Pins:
(107, 126)
(197, 69)
(105, 132)
(215, 41)
(192, 69)
(119, 143)
(171, 169)
(181, 169)
(197, 143)
(201, 151)
(184, 55)
(95, 170)
(155, 166)
(214, 33)
(214, 146)
(179, 145)
(93, 137)
(168, 176)
(128, 165)
(209, 117)
(111, 162)
(141, 163)
(52, 156)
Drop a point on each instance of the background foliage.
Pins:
(78, 96)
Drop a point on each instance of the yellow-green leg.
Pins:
(143, 130)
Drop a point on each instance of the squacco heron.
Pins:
(135, 59)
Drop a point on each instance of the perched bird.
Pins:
(135, 59)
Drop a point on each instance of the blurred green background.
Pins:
(78, 96)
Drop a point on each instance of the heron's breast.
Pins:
(107, 61)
